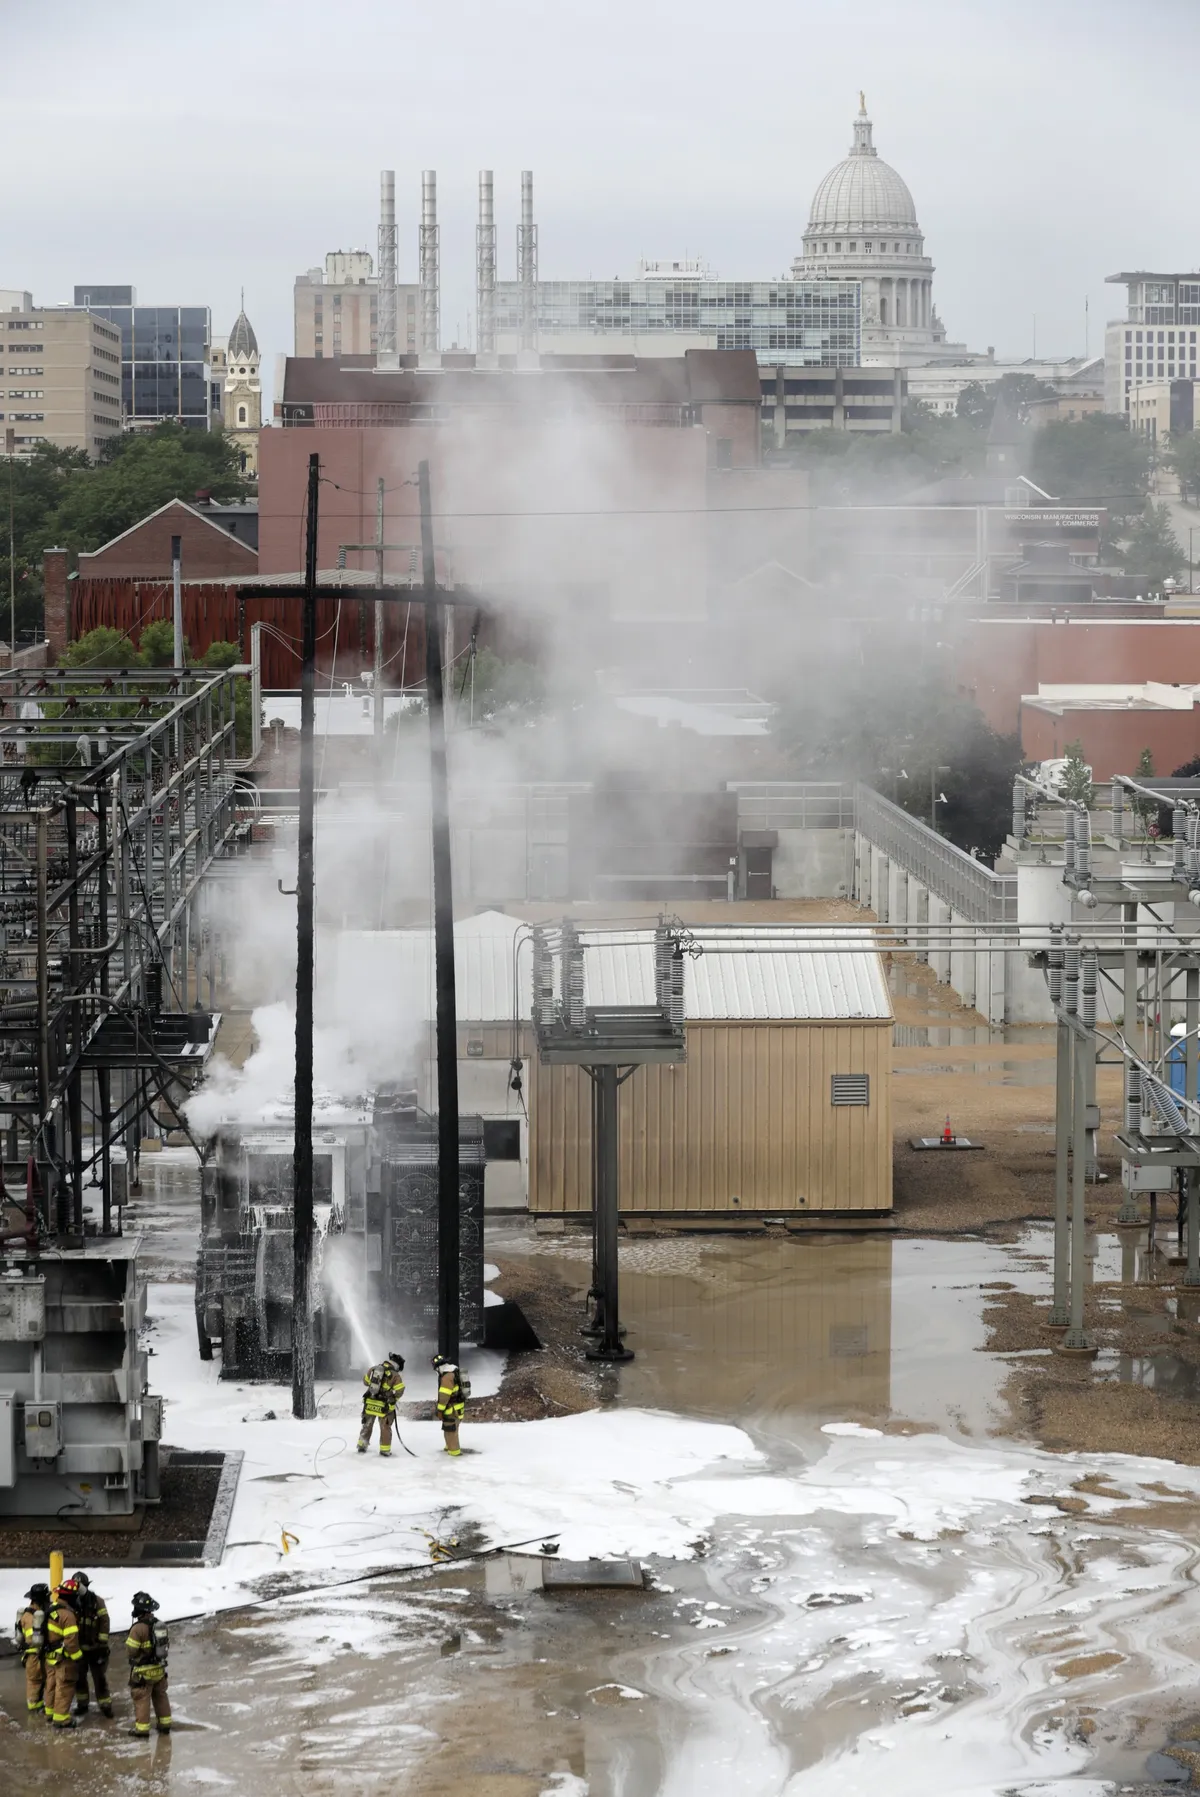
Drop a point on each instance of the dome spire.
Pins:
(863, 144)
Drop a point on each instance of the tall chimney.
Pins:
(430, 338)
(527, 263)
(485, 268)
(386, 355)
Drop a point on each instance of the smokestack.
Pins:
(485, 268)
(386, 355)
(430, 338)
(527, 263)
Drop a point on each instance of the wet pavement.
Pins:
(784, 1656)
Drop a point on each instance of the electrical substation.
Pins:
(117, 793)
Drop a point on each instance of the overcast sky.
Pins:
(194, 149)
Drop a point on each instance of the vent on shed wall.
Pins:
(850, 1088)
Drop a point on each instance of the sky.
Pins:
(194, 151)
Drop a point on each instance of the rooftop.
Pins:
(799, 975)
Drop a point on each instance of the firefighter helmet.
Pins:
(143, 1603)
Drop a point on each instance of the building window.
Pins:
(852, 248)
(241, 414)
(837, 246)
(868, 248)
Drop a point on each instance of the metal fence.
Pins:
(794, 804)
(968, 886)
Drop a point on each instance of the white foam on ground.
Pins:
(899, 1574)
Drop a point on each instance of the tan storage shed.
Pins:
(782, 1106)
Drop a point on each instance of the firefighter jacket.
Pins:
(30, 1632)
(450, 1405)
(93, 1626)
(146, 1645)
(385, 1386)
(62, 1634)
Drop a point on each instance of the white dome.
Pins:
(862, 193)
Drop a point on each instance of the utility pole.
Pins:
(443, 946)
(377, 689)
(177, 599)
(303, 1397)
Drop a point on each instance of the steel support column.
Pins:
(1075, 1339)
(1060, 1313)
(606, 1200)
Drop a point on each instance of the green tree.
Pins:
(1146, 810)
(102, 648)
(1076, 782)
(138, 473)
(1097, 459)
(220, 655)
(1183, 455)
(1151, 552)
(880, 714)
(978, 399)
(157, 644)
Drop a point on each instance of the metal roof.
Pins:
(797, 975)
(843, 979)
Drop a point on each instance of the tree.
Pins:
(978, 399)
(1097, 459)
(139, 472)
(1146, 810)
(1076, 782)
(102, 648)
(880, 712)
(157, 644)
(1183, 456)
(1152, 553)
(220, 655)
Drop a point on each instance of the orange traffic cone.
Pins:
(947, 1135)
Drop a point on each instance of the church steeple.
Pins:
(242, 398)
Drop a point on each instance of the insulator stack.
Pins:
(1071, 976)
(1088, 981)
(1133, 1099)
(543, 981)
(1054, 965)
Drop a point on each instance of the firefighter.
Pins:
(93, 1638)
(454, 1388)
(30, 1639)
(385, 1386)
(147, 1647)
(63, 1654)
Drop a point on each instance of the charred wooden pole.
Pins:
(443, 945)
(72, 983)
(303, 1368)
(103, 1077)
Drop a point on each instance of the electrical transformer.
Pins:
(374, 1238)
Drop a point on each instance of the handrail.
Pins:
(968, 886)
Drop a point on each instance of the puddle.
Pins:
(782, 1335)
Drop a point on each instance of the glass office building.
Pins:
(164, 357)
(805, 323)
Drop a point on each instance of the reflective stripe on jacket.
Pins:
(144, 1664)
(388, 1387)
(62, 1632)
(450, 1406)
(93, 1625)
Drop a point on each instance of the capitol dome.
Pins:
(863, 227)
(863, 193)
